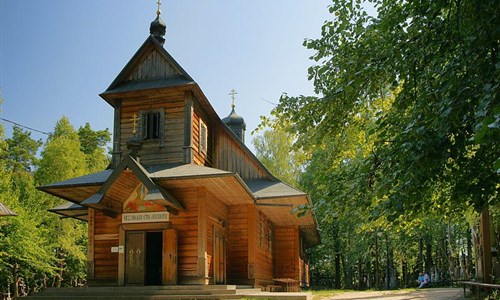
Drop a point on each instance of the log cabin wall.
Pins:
(153, 152)
(287, 249)
(186, 224)
(105, 235)
(263, 249)
(229, 156)
(237, 246)
(250, 246)
(217, 219)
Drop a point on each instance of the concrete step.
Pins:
(192, 292)
(148, 288)
(137, 297)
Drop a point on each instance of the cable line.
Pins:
(20, 125)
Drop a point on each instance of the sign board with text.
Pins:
(147, 217)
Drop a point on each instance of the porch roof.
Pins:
(71, 210)
(277, 200)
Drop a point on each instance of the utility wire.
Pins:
(26, 127)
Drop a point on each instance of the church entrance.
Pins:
(150, 257)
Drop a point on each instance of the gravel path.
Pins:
(425, 294)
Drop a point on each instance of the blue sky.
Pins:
(56, 56)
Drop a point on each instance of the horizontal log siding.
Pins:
(186, 224)
(216, 211)
(287, 252)
(237, 247)
(106, 232)
(152, 153)
(231, 157)
(263, 245)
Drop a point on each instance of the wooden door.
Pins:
(219, 257)
(134, 257)
(169, 257)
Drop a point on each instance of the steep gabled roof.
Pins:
(155, 193)
(151, 67)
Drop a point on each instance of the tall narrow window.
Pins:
(152, 125)
(203, 137)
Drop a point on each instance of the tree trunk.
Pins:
(15, 284)
(486, 244)
(337, 271)
(404, 269)
(428, 254)
(469, 259)
(375, 265)
(420, 257)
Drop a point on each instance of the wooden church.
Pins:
(184, 201)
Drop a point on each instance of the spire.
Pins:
(158, 27)
(234, 121)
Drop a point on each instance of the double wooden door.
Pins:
(151, 257)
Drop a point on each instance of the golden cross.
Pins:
(158, 12)
(134, 120)
(232, 93)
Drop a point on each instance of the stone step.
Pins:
(261, 296)
(93, 292)
(194, 292)
(148, 288)
(136, 297)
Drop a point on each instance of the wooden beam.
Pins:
(90, 248)
(251, 227)
(202, 233)
(188, 128)
(116, 154)
(486, 243)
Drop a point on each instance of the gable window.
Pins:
(203, 137)
(152, 125)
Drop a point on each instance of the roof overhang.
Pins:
(167, 184)
(71, 210)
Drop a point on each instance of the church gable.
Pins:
(150, 67)
(154, 66)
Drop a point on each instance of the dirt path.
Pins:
(426, 294)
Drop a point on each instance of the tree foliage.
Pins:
(38, 249)
(402, 135)
(93, 145)
(440, 62)
(274, 148)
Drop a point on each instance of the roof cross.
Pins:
(232, 93)
(158, 12)
(134, 120)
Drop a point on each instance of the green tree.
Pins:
(274, 148)
(24, 250)
(93, 144)
(443, 123)
(62, 157)
(22, 152)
